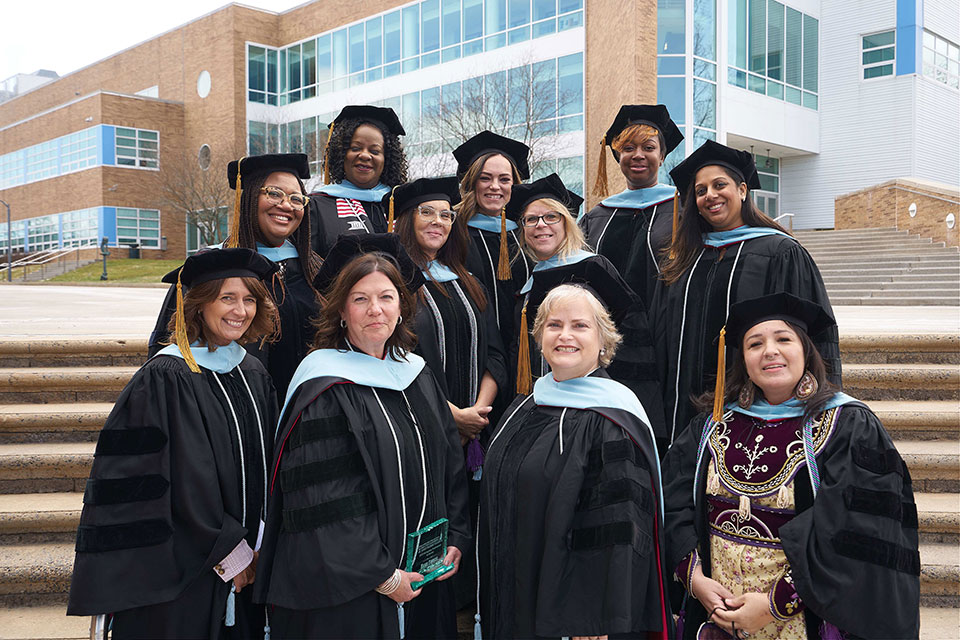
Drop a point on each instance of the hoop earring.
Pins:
(343, 323)
(399, 320)
(807, 386)
(747, 391)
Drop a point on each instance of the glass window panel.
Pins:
(569, 5)
(495, 16)
(670, 91)
(519, 12)
(392, 24)
(704, 69)
(256, 68)
(324, 59)
(758, 36)
(271, 71)
(293, 67)
(543, 103)
(356, 48)
(570, 21)
(430, 25)
(793, 47)
(517, 95)
(451, 22)
(411, 65)
(411, 32)
(774, 89)
(878, 55)
(671, 16)
(877, 72)
(544, 9)
(257, 140)
(768, 182)
(705, 28)
(472, 19)
(282, 70)
(340, 58)
(570, 84)
(374, 43)
(811, 53)
(570, 123)
(810, 99)
(495, 42)
(495, 102)
(127, 133)
(544, 28)
(737, 33)
(878, 39)
(775, 38)
(521, 34)
(309, 68)
(702, 135)
(430, 59)
(671, 65)
(704, 104)
(756, 83)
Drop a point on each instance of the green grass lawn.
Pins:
(124, 270)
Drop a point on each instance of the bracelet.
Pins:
(391, 584)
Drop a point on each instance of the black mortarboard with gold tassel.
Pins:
(406, 196)
(383, 118)
(213, 264)
(653, 115)
(295, 163)
(519, 155)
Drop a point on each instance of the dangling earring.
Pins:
(807, 386)
(747, 391)
(343, 323)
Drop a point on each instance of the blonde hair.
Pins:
(610, 338)
(573, 240)
(468, 185)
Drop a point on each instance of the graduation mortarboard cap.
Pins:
(488, 142)
(713, 153)
(214, 264)
(550, 187)
(237, 170)
(346, 248)
(746, 314)
(383, 118)
(406, 196)
(597, 276)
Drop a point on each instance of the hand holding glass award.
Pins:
(426, 550)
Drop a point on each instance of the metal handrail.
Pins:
(786, 215)
(43, 258)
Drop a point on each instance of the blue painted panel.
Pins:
(107, 151)
(107, 225)
(909, 35)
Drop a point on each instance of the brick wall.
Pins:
(888, 205)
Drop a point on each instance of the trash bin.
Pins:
(134, 251)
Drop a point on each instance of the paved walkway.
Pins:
(130, 312)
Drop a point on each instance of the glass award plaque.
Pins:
(426, 550)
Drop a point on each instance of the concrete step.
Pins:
(32, 569)
(888, 249)
(896, 285)
(939, 517)
(879, 348)
(939, 623)
(857, 233)
(45, 467)
(62, 384)
(939, 574)
(56, 352)
(43, 622)
(31, 518)
(859, 276)
(843, 268)
(872, 260)
(950, 301)
(934, 464)
(900, 290)
(902, 381)
(919, 420)
(52, 422)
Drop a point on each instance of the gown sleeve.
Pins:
(455, 481)
(496, 351)
(678, 486)
(153, 517)
(854, 554)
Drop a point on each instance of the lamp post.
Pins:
(9, 245)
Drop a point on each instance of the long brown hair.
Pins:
(468, 185)
(689, 239)
(453, 254)
(737, 377)
(265, 326)
(331, 335)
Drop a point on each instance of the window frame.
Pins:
(892, 62)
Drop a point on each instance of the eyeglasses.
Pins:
(276, 195)
(445, 216)
(548, 218)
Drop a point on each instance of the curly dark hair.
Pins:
(394, 158)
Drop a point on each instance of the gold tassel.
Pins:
(503, 266)
(390, 212)
(600, 187)
(233, 236)
(719, 390)
(744, 510)
(180, 328)
(676, 223)
(523, 358)
(326, 155)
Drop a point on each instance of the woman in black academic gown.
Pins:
(366, 453)
(789, 512)
(175, 499)
(726, 251)
(550, 236)
(271, 220)
(571, 513)
(633, 227)
(488, 166)
(363, 160)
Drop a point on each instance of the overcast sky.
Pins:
(64, 35)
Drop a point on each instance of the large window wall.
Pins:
(941, 60)
(774, 50)
(85, 227)
(416, 36)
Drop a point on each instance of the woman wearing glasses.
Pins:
(269, 217)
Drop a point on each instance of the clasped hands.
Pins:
(747, 613)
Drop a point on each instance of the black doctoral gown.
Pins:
(335, 525)
(164, 501)
(572, 543)
(633, 240)
(689, 314)
(329, 221)
(634, 365)
(296, 304)
(853, 551)
(482, 260)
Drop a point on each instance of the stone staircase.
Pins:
(55, 396)
(884, 267)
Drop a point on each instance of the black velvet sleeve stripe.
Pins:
(319, 429)
(120, 490)
(351, 506)
(614, 492)
(879, 461)
(611, 452)
(130, 442)
(877, 551)
(130, 535)
(313, 473)
(879, 503)
(607, 535)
